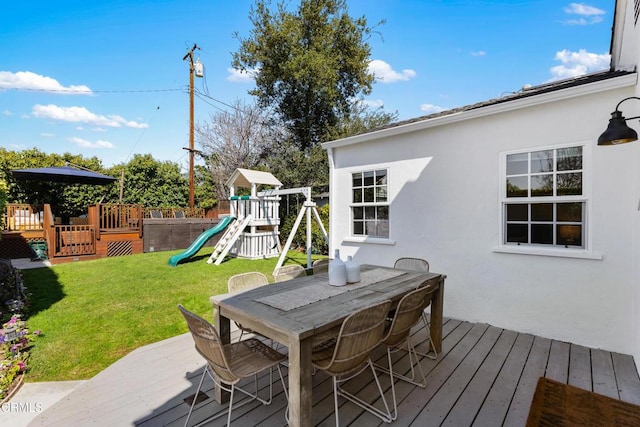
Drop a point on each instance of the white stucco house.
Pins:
(536, 226)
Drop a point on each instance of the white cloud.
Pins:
(586, 14)
(82, 115)
(26, 80)
(84, 143)
(7, 113)
(373, 103)
(479, 53)
(383, 72)
(238, 76)
(575, 64)
(47, 135)
(431, 109)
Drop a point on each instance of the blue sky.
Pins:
(107, 78)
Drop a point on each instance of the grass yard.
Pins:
(92, 313)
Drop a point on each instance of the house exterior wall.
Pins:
(625, 46)
(445, 207)
(625, 55)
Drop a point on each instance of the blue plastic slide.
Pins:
(201, 240)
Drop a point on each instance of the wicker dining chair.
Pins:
(227, 364)
(419, 264)
(321, 266)
(415, 264)
(242, 282)
(347, 355)
(288, 272)
(407, 314)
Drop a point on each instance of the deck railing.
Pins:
(264, 210)
(116, 217)
(75, 240)
(21, 217)
(173, 213)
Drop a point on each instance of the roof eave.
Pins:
(515, 104)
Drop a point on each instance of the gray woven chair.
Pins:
(407, 314)
(415, 264)
(347, 355)
(288, 272)
(242, 282)
(229, 363)
(321, 266)
(245, 281)
(419, 264)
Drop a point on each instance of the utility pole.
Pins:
(191, 150)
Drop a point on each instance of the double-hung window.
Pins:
(370, 204)
(543, 198)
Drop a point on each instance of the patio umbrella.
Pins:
(65, 174)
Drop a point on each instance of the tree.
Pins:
(152, 183)
(233, 139)
(361, 119)
(311, 65)
(147, 181)
(70, 199)
(295, 168)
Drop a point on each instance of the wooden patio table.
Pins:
(305, 310)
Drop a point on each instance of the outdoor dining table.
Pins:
(305, 310)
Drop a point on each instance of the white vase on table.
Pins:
(337, 271)
(353, 270)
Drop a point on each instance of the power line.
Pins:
(91, 91)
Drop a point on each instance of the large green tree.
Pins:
(151, 182)
(310, 65)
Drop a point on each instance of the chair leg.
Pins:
(195, 397)
(335, 400)
(232, 389)
(414, 361)
(383, 415)
(393, 386)
(432, 348)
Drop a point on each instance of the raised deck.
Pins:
(485, 376)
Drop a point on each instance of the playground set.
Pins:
(251, 230)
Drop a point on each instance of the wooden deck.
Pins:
(485, 376)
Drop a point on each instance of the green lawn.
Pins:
(92, 313)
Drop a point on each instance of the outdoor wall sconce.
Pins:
(618, 132)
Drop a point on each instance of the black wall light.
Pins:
(618, 132)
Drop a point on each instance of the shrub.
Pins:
(318, 243)
(15, 338)
(15, 342)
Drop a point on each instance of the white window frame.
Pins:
(546, 249)
(352, 205)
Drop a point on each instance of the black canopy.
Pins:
(66, 174)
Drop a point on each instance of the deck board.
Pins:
(439, 406)
(558, 363)
(534, 368)
(495, 407)
(467, 406)
(580, 367)
(484, 376)
(604, 378)
(626, 377)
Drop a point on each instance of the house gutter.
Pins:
(628, 80)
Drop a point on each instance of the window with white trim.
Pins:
(370, 204)
(543, 198)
